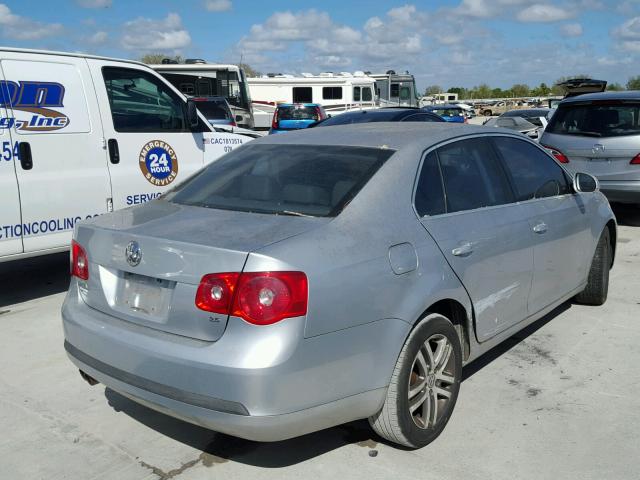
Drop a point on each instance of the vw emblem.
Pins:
(598, 147)
(133, 253)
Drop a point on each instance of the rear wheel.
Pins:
(597, 287)
(424, 386)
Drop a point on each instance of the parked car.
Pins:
(294, 116)
(390, 114)
(82, 135)
(599, 133)
(530, 122)
(449, 113)
(292, 285)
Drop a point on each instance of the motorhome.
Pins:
(336, 92)
(83, 135)
(394, 89)
(196, 78)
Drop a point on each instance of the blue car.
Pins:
(294, 116)
(450, 113)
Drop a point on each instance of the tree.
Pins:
(432, 90)
(155, 58)
(634, 83)
(520, 90)
(461, 91)
(614, 87)
(482, 91)
(249, 71)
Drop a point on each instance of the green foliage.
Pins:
(614, 87)
(634, 83)
(249, 71)
(154, 58)
(432, 90)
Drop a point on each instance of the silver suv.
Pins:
(599, 133)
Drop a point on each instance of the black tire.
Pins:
(597, 287)
(395, 422)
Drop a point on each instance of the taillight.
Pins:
(261, 298)
(635, 160)
(79, 261)
(561, 157)
(215, 292)
(319, 114)
(275, 123)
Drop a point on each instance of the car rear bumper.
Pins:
(621, 191)
(260, 383)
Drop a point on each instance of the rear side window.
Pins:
(533, 173)
(298, 112)
(429, 192)
(141, 102)
(473, 177)
(299, 180)
(597, 119)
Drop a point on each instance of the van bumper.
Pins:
(259, 383)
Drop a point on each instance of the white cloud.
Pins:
(485, 8)
(218, 5)
(543, 13)
(17, 27)
(98, 38)
(94, 3)
(145, 34)
(571, 30)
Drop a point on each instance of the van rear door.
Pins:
(10, 243)
(62, 174)
(151, 146)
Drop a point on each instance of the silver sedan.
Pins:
(311, 279)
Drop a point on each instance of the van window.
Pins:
(299, 180)
(366, 94)
(534, 174)
(405, 93)
(302, 95)
(356, 94)
(331, 93)
(395, 90)
(597, 119)
(473, 177)
(429, 192)
(140, 102)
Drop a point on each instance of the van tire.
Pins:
(395, 422)
(597, 287)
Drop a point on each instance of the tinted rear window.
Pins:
(597, 119)
(298, 112)
(283, 179)
(213, 110)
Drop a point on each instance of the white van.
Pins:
(83, 135)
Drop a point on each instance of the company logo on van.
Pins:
(158, 163)
(39, 99)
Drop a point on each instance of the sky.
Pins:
(447, 43)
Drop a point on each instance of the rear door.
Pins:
(484, 236)
(10, 240)
(558, 220)
(151, 147)
(56, 114)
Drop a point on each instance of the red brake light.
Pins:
(79, 261)
(260, 298)
(561, 157)
(275, 123)
(635, 160)
(215, 292)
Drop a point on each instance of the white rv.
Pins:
(82, 135)
(337, 93)
(200, 79)
(395, 89)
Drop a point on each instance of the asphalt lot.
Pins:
(559, 400)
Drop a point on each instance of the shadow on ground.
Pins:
(32, 278)
(220, 448)
(627, 215)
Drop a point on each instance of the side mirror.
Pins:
(585, 183)
(238, 118)
(192, 114)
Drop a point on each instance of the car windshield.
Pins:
(298, 112)
(360, 117)
(597, 119)
(300, 180)
(213, 110)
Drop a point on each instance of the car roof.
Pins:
(588, 97)
(393, 135)
(446, 106)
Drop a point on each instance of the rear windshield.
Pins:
(298, 112)
(213, 110)
(302, 180)
(606, 119)
(447, 112)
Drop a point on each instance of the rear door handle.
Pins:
(26, 160)
(463, 250)
(540, 228)
(114, 151)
